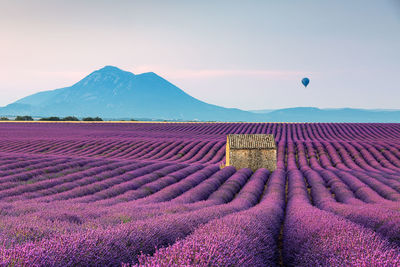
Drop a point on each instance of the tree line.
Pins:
(53, 118)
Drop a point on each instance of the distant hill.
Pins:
(310, 114)
(261, 111)
(112, 93)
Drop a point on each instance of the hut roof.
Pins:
(251, 141)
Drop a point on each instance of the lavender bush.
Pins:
(154, 194)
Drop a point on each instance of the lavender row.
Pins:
(313, 237)
(246, 238)
(124, 243)
(381, 219)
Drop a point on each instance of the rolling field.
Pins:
(153, 194)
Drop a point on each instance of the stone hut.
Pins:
(252, 151)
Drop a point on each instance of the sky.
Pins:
(243, 54)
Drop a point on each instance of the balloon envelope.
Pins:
(305, 81)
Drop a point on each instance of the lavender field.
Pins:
(154, 194)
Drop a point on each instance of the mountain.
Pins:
(115, 94)
(112, 93)
(261, 111)
(311, 114)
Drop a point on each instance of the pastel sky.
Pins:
(245, 54)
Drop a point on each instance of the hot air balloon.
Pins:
(305, 81)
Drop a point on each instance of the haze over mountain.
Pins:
(112, 93)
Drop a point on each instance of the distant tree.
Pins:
(133, 120)
(88, 119)
(23, 118)
(92, 119)
(50, 119)
(4, 119)
(70, 118)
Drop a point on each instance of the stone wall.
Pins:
(252, 158)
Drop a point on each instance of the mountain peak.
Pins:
(112, 70)
(149, 74)
(109, 68)
(107, 74)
